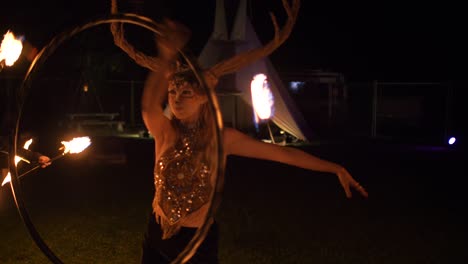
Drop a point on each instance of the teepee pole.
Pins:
(269, 131)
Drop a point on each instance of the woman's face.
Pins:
(184, 102)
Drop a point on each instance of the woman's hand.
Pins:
(347, 182)
(174, 36)
(44, 161)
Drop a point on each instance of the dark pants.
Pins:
(156, 250)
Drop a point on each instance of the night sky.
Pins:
(392, 41)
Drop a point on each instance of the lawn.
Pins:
(90, 209)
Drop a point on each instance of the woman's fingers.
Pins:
(345, 185)
(361, 189)
(346, 181)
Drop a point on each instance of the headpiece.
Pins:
(183, 73)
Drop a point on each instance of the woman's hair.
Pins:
(182, 75)
(206, 142)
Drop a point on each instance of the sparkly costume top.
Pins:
(182, 181)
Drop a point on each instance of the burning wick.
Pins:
(17, 160)
(75, 146)
(10, 49)
(27, 144)
(262, 100)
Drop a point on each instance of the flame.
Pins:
(76, 145)
(27, 144)
(262, 98)
(17, 159)
(7, 179)
(10, 49)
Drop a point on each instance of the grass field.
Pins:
(91, 210)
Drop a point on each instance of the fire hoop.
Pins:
(41, 57)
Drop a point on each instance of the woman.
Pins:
(184, 173)
(183, 168)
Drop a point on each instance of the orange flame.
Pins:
(27, 144)
(76, 145)
(10, 49)
(17, 159)
(262, 98)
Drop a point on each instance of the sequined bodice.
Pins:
(182, 180)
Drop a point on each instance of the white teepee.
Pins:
(234, 89)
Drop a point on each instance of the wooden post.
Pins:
(269, 131)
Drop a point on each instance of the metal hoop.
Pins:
(41, 57)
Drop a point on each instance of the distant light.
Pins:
(452, 140)
(85, 88)
(296, 86)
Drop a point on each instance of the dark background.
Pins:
(390, 42)
(393, 40)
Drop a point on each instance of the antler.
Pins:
(152, 63)
(173, 37)
(240, 60)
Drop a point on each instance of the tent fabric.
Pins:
(243, 37)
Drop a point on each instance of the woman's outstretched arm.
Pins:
(237, 143)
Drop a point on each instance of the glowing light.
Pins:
(27, 144)
(17, 160)
(10, 49)
(296, 86)
(7, 179)
(452, 140)
(76, 145)
(262, 98)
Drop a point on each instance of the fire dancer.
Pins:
(183, 176)
(173, 223)
(185, 145)
(30, 156)
(26, 154)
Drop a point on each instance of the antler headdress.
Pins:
(227, 66)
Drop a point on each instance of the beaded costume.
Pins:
(182, 181)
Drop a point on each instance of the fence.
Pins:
(406, 111)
